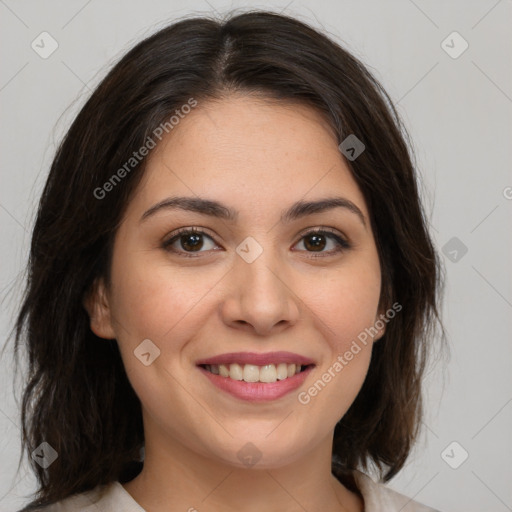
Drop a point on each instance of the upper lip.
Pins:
(258, 359)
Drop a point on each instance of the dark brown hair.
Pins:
(77, 396)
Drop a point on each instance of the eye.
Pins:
(191, 241)
(316, 240)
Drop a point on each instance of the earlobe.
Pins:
(379, 334)
(97, 305)
(380, 325)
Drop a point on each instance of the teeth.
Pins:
(253, 373)
(282, 371)
(267, 373)
(236, 372)
(250, 373)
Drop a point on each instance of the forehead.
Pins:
(251, 153)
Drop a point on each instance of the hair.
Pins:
(77, 396)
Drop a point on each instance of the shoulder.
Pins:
(105, 498)
(380, 498)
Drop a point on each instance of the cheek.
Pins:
(345, 320)
(347, 304)
(151, 300)
(345, 312)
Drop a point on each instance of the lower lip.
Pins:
(257, 391)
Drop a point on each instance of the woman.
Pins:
(232, 289)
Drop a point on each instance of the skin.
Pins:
(258, 157)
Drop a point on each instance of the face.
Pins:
(259, 282)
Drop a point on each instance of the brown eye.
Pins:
(187, 240)
(316, 241)
(191, 242)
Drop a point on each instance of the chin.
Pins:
(262, 453)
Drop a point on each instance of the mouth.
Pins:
(253, 373)
(257, 377)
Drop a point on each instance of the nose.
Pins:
(261, 298)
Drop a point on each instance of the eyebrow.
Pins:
(216, 209)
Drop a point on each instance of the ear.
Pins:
(97, 305)
(380, 321)
(379, 335)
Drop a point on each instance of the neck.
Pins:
(175, 475)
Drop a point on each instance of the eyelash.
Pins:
(343, 244)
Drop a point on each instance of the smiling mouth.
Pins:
(252, 373)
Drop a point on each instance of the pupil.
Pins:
(318, 241)
(195, 244)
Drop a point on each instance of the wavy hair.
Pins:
(77, 396)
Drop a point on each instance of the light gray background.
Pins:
(458, 111)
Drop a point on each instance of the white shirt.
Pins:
(114, 498)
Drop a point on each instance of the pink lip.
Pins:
(257, 359)
(257, 391)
